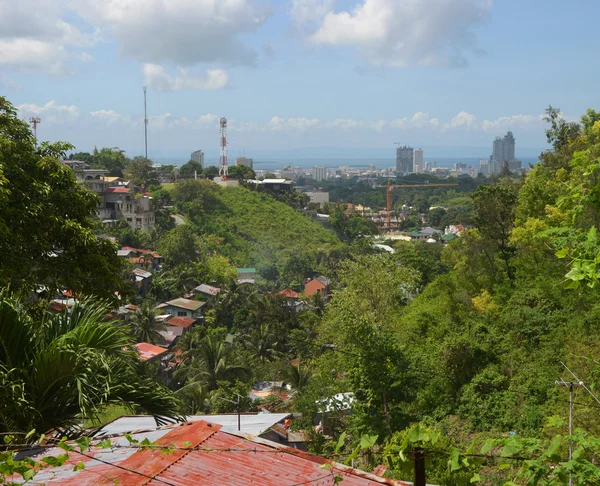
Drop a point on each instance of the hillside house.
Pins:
(207, 290)
(246, 275)
(143, 280)
(117, 198)
(319, 285)
(182, 308)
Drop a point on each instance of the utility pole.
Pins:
(35, 121)
(419, 458)
(145, 125)
(238, 406)
(571, 385)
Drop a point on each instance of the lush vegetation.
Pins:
(451, 349)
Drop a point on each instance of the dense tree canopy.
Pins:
(47, 237)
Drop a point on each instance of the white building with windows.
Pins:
(198, 156)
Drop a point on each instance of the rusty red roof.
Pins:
(148, 351)
(180, 321)
(188, 304)
(203, 455)
(140, 250)
(289, 294)
(117, 189)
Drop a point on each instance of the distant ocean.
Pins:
(364, 162)
(334, 162)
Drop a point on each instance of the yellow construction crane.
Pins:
(398, 186)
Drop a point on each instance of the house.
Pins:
(246, 275)
(149, 352)
(317, 285)
(425, 234)
(289, 294)
(272, 185)
(207, 290)
(179, 325)
(182, 308)
(138, 256)
(204, 453)
(143, 280)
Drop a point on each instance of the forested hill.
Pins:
(251, 228)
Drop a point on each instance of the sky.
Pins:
(298, 74)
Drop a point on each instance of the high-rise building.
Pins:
(244, 161)
(503, 149)
(198, 156)
(404, 160)
(514, 165)
(484, 166)
(319, 173)
(418, 161)
(288, 173)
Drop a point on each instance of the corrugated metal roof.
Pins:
(246, 270)
(117, 189)
(251, 423)
(148, 351)
(186, 304)
(205, 455)
(180, 321)
(142, 273)
(207, 289)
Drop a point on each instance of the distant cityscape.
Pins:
(409, 160)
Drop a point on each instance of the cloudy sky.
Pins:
(297, 73)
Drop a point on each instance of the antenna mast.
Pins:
(145, 125)
(35, 121)
(223, 159)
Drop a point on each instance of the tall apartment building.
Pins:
(503, 149)
(198, 156)
(418, 166)
(404, 160)
(319, 173)
(244, 161)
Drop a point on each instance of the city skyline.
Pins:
(292, 74)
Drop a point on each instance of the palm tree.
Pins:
(262, 342)
(63, 369)
(297, 376)
(210, 363)
(144, 326)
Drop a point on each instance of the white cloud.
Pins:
(35, 37)
(350, 124)
(179, 32)
(110, 117)
(462, 120)
(306, 14)
(503, 123)
(418, 120)
(278, 124)
(51, 112)
(156, 77)
(400, 33)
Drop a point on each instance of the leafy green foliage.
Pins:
(46, 228)
(62, 369)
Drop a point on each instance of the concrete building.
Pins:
(484, 166)
(244, 161)
(514, 165)
(418, 166)
(319, 173)
(182, 308)
(117, 199)
(503, 149)
(404, 160)
(318, 197)
(288, 173)
(198, 156)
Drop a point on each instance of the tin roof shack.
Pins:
(246, 275)
(207, 290)
(203, 454)
(182, 308)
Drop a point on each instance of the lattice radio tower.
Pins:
(223, 159)
(35, 121)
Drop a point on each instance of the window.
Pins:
(129, 220)
(181, 313)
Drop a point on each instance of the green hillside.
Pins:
(251, 228)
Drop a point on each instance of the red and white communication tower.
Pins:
(223, 159)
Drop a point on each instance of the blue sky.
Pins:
(297, 73)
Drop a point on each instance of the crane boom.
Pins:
(389, 188)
